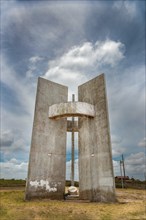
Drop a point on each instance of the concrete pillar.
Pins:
(96, 178)
(47, 163)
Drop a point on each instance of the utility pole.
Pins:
(121, 173)
(73, 148)
(123, 168)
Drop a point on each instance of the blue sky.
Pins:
(70, 42)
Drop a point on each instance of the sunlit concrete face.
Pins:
(96, 178)
(47, 163)
(46, 173)
(70, 109)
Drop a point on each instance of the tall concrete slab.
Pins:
(47, 163)
(96, 178)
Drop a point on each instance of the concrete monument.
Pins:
(47, 163)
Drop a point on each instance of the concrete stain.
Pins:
(42, 184)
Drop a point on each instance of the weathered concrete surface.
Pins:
(47, 164)
(72, 126)
(96, 179)
(71, 109)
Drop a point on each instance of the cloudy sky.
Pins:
(71, 42)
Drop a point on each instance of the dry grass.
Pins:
(131, 206)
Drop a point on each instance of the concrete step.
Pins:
(72, 197)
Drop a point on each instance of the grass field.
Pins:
(131, 205)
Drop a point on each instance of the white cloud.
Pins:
(6, 138)
(23, 89)
(117, 148)
(135, 165)
(115, 139)
(45, 23)
(76, 64)
(13, 169)
(101, 53)
(126, 98)
(35, 59)
(14, 161)
(142, 143)
(18, 121)
(13, 141)
(138, 159)
(32, 66)
(128, 7)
